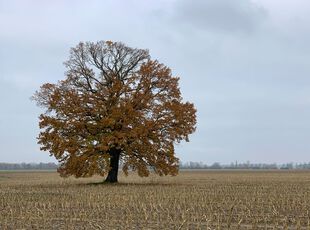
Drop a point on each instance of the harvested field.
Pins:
(192, 200)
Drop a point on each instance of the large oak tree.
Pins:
(115, 104)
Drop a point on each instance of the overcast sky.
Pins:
(244, 64)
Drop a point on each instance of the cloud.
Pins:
(244, 65)
(221, 15)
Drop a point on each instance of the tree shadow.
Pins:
(121, 184)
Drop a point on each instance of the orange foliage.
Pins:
(114, 98)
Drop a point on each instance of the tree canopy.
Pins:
(115, 104)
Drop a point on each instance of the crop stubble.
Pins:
(192, 200)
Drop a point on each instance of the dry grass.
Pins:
(192, 200)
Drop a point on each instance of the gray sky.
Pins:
(244, 64)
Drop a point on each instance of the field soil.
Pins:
(191, 200)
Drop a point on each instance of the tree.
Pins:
(115, 104)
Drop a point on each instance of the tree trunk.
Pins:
(114, 161)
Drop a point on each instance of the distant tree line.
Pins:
(247, 165)
(28, 166)
(186, 165)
